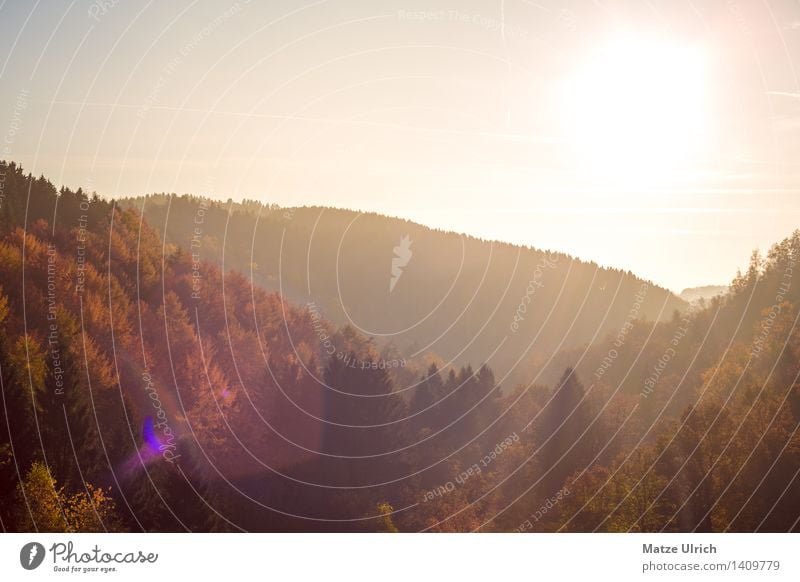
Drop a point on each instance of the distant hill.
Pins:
(707, 292)
(426, 291)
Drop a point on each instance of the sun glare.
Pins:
(636, 113)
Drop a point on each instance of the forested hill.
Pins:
(424, 290)
(144, 388)
(150, 375)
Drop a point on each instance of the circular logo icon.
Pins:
(31, 555)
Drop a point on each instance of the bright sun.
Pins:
(637, 113)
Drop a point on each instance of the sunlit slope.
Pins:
(424, 290)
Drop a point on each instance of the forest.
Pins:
(454, 286)
(165, 370)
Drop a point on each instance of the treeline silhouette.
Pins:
(144, 388)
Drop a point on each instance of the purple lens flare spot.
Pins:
(149, 435)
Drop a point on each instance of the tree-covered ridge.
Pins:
(449, 287)
(137, 367)
(144, 388)
(714, 443)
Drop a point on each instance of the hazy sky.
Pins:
(661, 136)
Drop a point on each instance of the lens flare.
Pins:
(149, 435)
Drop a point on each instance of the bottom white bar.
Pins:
(405, 557)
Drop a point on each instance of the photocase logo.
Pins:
(31, 555)
(402, 255)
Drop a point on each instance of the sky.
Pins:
(660, 137)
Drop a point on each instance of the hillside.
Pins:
(456, 298)
(705, 293)
(148, 389)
